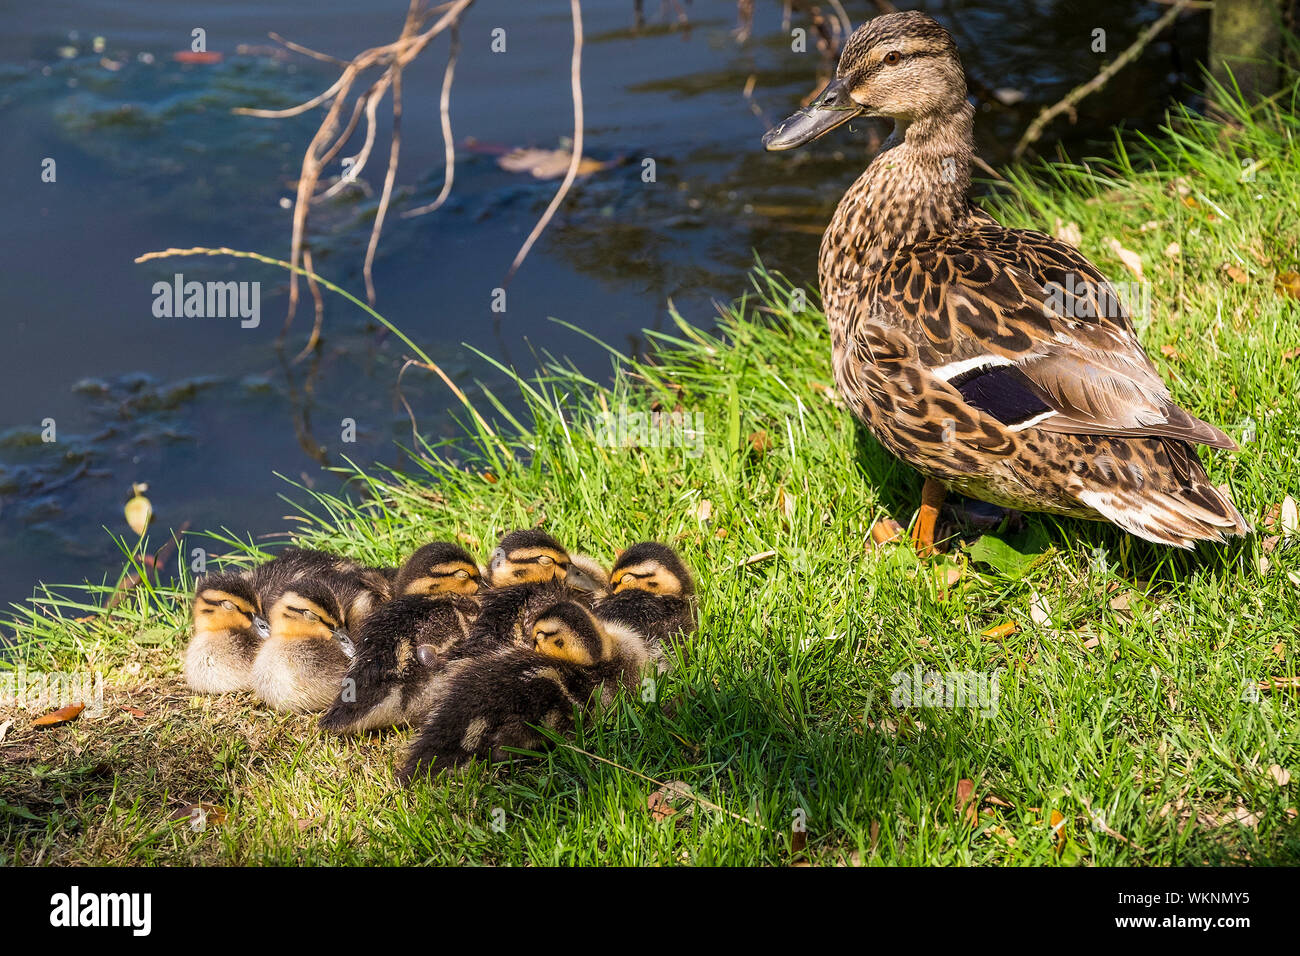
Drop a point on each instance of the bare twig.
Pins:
(688, 794)
(1071, 99)
(575, 73)
(319, 301)
(393, 150)
(449, 144)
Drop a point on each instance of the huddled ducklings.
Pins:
(302, 663)
(358, 588)
(400, 646)
(483, 707)
(228, 632)
(651, 592)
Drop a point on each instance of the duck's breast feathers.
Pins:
(1028, 331)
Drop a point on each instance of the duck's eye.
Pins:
(545, 561)
(228, 605)
(310, 615)
(892, 58)
(462, 574)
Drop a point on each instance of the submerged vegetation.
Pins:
(1136, 705)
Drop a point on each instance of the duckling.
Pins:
(401, 645)
(360, 589)
(301, 665)
(228, 632)
(483, 707)
(438, 568)
(651, 592)
(587, 574)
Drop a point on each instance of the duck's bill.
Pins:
(833, 107)
(345, 642)
(262, 628)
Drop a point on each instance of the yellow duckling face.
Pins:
(651, 567)
(568, 632)
(299, 616)
(439, 569)
(903, 66)
(528, 557)
(225, 602)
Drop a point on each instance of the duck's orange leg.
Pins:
(932, 495)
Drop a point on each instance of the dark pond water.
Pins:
(149, 155)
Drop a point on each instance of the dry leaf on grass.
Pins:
(1132, 261)
(200, 815)
(1236, 274)
(1058, 830)
(704, 510)
(967, 803)
(1288, 283)
(61, 716)
(1281, 776)
(1068, 232)
(661, 802)
(886, 531)
(4, 729)
(1000, 631)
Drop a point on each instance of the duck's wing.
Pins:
(1030, 332)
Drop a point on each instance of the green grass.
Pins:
(1135, 714)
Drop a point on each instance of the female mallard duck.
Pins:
(400, 646)
(228, 633)
(952, 338)
(487, 706)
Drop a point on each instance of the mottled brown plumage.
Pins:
(998, 362)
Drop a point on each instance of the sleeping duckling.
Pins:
(301, 665)
(482, 707)
(228, 632)
(527, 573)
(651, 592)
(587, 574)
(438, 568)
(401, 645)
(360, 589)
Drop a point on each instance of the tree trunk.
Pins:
(1246, 39)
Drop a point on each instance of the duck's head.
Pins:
(227, 602)
(438, 568)
(309, 610)
(653, 567)
(569, 632)
(902, 66)
(528, 557)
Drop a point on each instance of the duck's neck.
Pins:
(915, 187)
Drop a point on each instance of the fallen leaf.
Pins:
(134, 711)
(886, 531)
(1040, 612)
(760, 442)
(1058, 830)
(547, 163)
(1280, 776)
(1236, 274)
(139, 510)
(1068, 232)
(1171, 353)
(1289, 354)
(1173, 250)
(785, 503)
(757, 558)
(202, 814)
(1279, 650)
(998, 801)
(660, 803)
(490, 478)
(967, 805)
(1288, 283)
(61, 716)
(1131, 260)
(999, 631)
(704, 510)
(4, 729)
(1289, 517)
